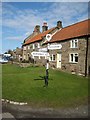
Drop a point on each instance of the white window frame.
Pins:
(73, 43)
(52, 57)
(33, 57)
(39, 57)
(24, 47)
(74, 54)
(45, 57)
(28, 47)
(33, 46)
(38, 45)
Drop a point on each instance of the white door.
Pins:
(58, 60)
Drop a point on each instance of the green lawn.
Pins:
(23, 85)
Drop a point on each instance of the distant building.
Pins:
(17, 54)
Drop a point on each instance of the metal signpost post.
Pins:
(50, 47)
(45, 52)
(48, 37)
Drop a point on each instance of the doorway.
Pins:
(58, 60)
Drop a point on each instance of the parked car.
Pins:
(3, 60)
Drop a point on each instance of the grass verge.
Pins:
(26, 85)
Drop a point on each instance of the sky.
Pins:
(20, 18)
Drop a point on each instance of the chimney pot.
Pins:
(37, 28)
(44, 24)
(59, 24)
(44, 27)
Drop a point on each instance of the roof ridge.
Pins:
(75, 30)
(38, 35)
(77, 23)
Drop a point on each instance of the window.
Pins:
(28, 54)
(39, 57)
(24, 47)
(33, 46)
(28, 47)
(73, 58)
(74, 43)
(52, 57)
(38, 45)
(45, 57)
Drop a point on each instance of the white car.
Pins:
(3, 60)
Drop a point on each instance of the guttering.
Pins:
(86, 57)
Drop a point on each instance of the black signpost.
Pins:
(48, 37)
(47, 73)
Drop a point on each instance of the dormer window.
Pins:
(74, 43)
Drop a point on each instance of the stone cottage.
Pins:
(68, 47)
(17, 54)
(35, 43)
(74, 54)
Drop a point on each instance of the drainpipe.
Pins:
(86, 58)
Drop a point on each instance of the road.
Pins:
(25, 111)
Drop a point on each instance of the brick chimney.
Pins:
(59, 24)
(44, 27)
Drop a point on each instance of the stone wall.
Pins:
(88, 60)
(77, 68)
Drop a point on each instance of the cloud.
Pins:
(27, 19)
(19, 21)
(13, 38)
(19, 38)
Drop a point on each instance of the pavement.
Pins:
(16, 112)
(8, 116)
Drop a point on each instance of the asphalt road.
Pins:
(17, 112)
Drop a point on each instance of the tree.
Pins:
(10, 52)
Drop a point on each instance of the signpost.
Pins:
(48, 37)
(43, 50)
(53, 47)
(45, 53)
(39, 53)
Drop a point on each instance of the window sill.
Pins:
(73, 47)
(73, 62)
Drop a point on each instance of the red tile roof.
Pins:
(38, 37)
(72, 31)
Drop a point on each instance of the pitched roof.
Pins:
(72, 31)
(38, 37)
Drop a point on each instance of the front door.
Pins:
(58, 60)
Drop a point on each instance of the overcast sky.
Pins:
(20, 18)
